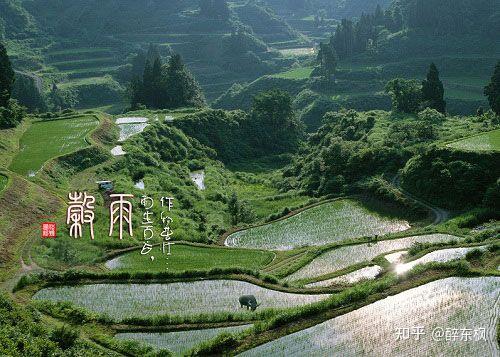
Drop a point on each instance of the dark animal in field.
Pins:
(249, 301)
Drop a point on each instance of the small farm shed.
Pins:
(105, 185)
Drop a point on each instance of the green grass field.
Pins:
(296, 73)
(46, 140)
(489, 141)
(327, 223)
(186, 257)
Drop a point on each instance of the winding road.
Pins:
(440, 215)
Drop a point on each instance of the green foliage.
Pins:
(64, 336)
(379, 188)
(405, 94)
(6, 77)
(60, 99)
(162, 142)
(492, 196)
(270, 128)
(275, 128)
(431, 116)
(240, 211)
(11, 115)
(23, 333)
(171, 86)
(336, 154)
(221, 130)
(492, 90)
(433, 91)
(450, 178)
(327, 59)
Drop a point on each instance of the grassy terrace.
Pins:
(489, 141)
(188, 257)
(59, 137)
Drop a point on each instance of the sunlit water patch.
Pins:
(440, 256)
(138, 300)
(366, 273)
(344, 257)
(468, 305)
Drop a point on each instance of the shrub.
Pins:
(64, 336)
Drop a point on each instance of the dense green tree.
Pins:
(327, 60)
(7, 77)
(153, 53)
(61, 99)
(433, 91)
(405, 94)
(276, 129)
(239, 211)
(166, 86)
(11, 115)
(181, 88)
(379, 15)
(492, 90)
(344, 38)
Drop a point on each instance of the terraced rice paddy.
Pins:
(48, 139)
(327, 223)
(367, 273)
(187, 299)
(301, 51)
(179, 342)
(441, 256)
(344, 257)
(466, 304)
(185, 257)
(118, 151)
(489, 141)
(395, 257)
(131, 126)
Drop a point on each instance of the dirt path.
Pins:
(440, 215)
